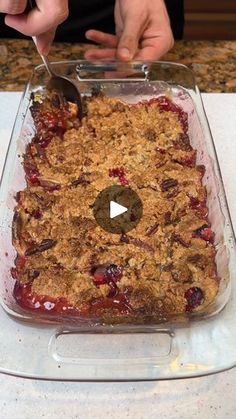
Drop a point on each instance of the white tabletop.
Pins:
(204, 398)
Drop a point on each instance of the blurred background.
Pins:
(204, 20)
(210, 19)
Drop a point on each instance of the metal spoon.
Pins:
(63, 85)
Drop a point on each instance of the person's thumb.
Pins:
(129, 39)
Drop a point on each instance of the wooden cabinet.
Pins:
(212, 19)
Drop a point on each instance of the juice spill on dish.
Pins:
(30, 301)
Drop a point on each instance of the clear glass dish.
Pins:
(71, 349)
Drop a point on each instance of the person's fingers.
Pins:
(100, 54)
(154, 49)
(149, 54)
(41, 19)
(102, 38)
(13, 7)
(129, 38)
(44, 41)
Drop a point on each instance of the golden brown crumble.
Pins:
(167, 262)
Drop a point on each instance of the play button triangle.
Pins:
(117, 218)
(116, 209)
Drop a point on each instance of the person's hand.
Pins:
(143, 32)
(41, 21)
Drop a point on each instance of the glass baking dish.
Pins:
(73, 349)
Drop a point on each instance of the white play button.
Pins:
(114, 217)
(116, 209)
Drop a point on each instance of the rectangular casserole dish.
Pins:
(179, 347)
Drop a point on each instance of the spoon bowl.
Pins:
(62, 85)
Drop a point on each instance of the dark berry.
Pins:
(32, 176)
(99, 277)
(117, 172)
(204, 233)
(194, 203)
(199, 206)
(120, 173)
(37, 214)
(113, 272)
(107, 274)
(194, 297)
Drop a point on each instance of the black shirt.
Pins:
(97, 14)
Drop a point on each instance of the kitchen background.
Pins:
(208, 47)
(213, 19)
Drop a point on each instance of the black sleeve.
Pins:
(97, 14)
(176, 13)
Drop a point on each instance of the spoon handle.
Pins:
(44, 58)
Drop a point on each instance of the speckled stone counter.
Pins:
(214, 63)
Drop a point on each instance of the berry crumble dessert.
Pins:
(66, 264)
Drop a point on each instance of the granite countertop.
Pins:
(214, 62)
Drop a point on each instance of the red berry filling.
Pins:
(27, 299)
(119, 302)
(103, 274)
(195, 203)
(107, 274)
(32, 175)
(55, 121)
(199, 206)
(19, 265)
(166, 105)
(204, 233)
(37, 214)
(120, 173)
(194, 297)
(44, 140)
